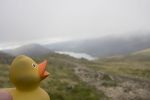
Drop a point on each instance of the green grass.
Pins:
(4, 80)
(126, 66)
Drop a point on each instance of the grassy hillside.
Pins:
(136, 64)
(125, 68)
(114, 78)
(62, 84)
(120, 77)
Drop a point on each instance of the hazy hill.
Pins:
(107, 46)
(145, 52)
(140, 56)
(30, 50)
(5, 58)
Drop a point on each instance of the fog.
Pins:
(48, 21)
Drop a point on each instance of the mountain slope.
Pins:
(80, 79)
(106, 46)
(62, 83)
(30, 50)
(5, 58)
(136, 64)
(145, 52)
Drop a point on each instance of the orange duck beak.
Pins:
(42, 70)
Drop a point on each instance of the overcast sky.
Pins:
(58, 20)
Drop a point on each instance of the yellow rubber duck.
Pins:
(26, 75)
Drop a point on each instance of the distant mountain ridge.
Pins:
(34, 50)
(107, 46)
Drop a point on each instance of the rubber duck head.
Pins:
(26, 74)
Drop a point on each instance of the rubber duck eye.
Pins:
(33, 65)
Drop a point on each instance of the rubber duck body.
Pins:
(26, 75)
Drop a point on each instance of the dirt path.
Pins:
(115, 87)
